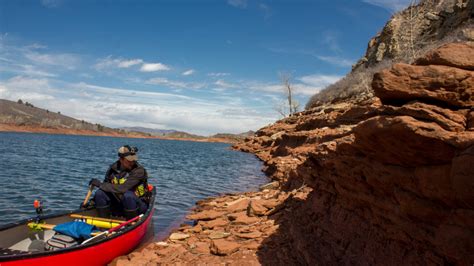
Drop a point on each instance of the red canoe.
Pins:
(17, 239)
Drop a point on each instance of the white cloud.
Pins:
(238, 3)
(390, 5)
(26, 88)
(36, 46)
(129, 63)
(174, 84)
(223, 84)
(218, 74)
(305, 86)
(312, 84)
(318, 80)
(31, 70)
(68, 61)
(331, 39)
(152, 67)
(110, 62)
(188, 72)
(129, 107)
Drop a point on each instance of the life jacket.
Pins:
(120, 178)
(139, 190)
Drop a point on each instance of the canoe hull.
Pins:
(99, 254)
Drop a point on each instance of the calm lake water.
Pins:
(57, 169)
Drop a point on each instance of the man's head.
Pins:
(128, 156)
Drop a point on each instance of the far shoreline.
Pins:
(78, 132)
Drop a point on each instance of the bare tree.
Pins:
(289, 105)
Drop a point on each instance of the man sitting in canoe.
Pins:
(124, 186)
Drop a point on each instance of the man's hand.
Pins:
(95, 182)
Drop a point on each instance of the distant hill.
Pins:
(152, 131)
(24, 116)
(171, 133)
(27, 115)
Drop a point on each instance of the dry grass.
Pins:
(356, 85)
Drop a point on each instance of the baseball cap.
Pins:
(129, 153)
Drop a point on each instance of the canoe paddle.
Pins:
(113, 229)
(86, 200)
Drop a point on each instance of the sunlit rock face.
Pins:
(392, 178)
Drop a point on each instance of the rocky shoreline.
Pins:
(230, 229)
(383, 181)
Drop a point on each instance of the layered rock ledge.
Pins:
(385, 181)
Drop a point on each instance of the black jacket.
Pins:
(136, 176)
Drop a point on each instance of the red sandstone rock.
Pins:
(242, 218)
(470, 121)
(404, 83)
(251, 235)
(205, 215)
(446, 118)
(201, 248)
(404, 141)
(238, 205)
(459, 55)
(251, 245)
(219, 222)
(218, 234)
(256, 208)
(271, 203)
(223, 247)
(462, 177)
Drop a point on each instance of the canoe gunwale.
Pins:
(147, 215)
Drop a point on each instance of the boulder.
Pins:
(404, 141)
(403, 83)
(256, 208)
(223, 247)
(205, 215)
(242, 218)
(250, 235)
(218, 235)
(238, 205)
(445, 118)
(219, 222)
(178, 236)
(272, 185)
(459, 55)
(201, 248)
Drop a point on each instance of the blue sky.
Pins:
(199, 66)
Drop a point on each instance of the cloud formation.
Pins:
(118, 107)
(69, 61)
(390, 5)
(218, 74)
(174, 84)
(109, 62)
(153, 67)
(223, 84)
(188, 72)
(238, 3)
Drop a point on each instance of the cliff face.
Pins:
(392, 178)
(410, 32)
